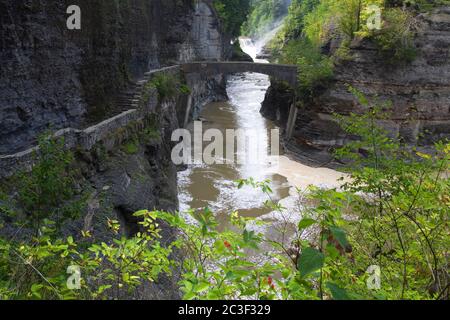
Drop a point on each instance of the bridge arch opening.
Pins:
(287, 73)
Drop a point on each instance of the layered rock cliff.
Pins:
(52, 77)
(419, 92)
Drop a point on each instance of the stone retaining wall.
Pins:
(102, 132)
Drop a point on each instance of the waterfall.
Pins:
(254, 46)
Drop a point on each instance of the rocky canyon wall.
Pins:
(419, 92)
(52, 77)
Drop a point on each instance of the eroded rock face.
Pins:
(276, 105)
(204, 41)
(419, 92)
(52, 77)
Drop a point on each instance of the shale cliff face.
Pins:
(52, 77)
(419, 92)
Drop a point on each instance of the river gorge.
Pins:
(349, 131)
(214, 186)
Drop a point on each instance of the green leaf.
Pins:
(35, 290)
(202, 287)
(101, 289)
(240, 273)
(251, 239)
(332, 252)
(306, 223)
(213, 295)
(310, 261)
(188, 285)
(340, 236)
(230, 275)
(337, 292)
(189, 296)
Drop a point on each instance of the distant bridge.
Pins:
(282, 72)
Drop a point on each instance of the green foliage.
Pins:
(184, 89)
(131, 147)
(299, 43)
(310, 261)
(48, 190)
(166, 85)
(402, 219)
(264, 14)
(38, 269)
(320, 20)
(311, 24)
(396, 39)
(315, 69)
(391, 212)
(151, 131)
(218, 265)
(295, 21)
(350, 20)
(233, 14)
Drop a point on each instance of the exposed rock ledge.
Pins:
(420, 94)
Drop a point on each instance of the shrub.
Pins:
(264, 14)
(350, 19)
(396, 38)
(38, 269)
(131, 147)
(315, 69)
(48, 190)
(166, 84)
(233, 14)
(391, 212)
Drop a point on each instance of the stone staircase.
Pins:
(131, 97)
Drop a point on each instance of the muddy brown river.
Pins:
(214, 185)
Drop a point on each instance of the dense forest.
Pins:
(233, 13)
(383, 235)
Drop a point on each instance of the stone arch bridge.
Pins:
(283, 72)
